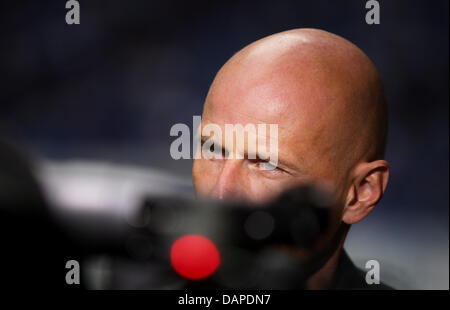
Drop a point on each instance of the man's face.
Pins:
(260, 94)
(327, 100)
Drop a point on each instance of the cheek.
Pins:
(204, 175)
(263, 190)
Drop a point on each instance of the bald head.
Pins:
(311, 78)
(323, 92)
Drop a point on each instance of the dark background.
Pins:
(110, 89)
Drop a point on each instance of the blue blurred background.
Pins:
(109, 90)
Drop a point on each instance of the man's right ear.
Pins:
(368, 186)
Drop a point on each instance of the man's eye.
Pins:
(216, 151)
(267, 166)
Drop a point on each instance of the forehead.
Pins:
(288, 88)
(270, 95)
(298, 101)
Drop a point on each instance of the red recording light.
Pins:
(194, 257)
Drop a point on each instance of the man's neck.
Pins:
(322, 279)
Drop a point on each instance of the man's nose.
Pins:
(228, 184)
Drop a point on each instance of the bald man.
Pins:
(327, 99)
